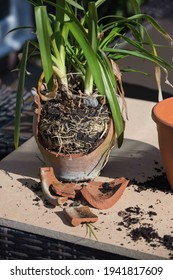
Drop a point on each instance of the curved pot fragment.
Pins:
(55, 191)
(103, 195)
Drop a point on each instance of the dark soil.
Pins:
(145, 232)
(109, 187)
(158, 182)
(136, 215)
(105, 187)
(69, 126)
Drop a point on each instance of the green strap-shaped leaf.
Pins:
(71, 2)
(110, 92)
(42, 23)
(100, 75)
(89, 53)
(92, 37)
(20, 91)
(99, 3)
(137, 53)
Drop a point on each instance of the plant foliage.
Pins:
(72, 38)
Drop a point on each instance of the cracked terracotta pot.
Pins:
(162, 114)
(75, 167)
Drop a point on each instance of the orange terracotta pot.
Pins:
(162, 114)
(75, 167)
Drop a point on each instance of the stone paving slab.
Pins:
(23, 207)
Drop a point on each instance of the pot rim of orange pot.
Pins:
(162, 112)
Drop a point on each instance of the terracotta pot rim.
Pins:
(77, 155)
(156, 116)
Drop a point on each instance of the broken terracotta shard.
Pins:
(78, 215)
(103, 195)
(55, 191)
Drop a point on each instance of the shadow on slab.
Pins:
(35, 187)
(134, 160)
(142, 93)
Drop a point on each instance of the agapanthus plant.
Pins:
(73, 41)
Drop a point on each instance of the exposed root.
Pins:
(69, 126)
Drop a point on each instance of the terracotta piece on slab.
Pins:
(78, 215)
(61, 192)
(162, 114)
(103, 195)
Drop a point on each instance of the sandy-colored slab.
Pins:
(137, 226)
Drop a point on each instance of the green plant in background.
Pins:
(74, 40)
(118, 7)
(124, 7)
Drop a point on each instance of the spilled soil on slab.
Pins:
(157, 182)
(132, 221)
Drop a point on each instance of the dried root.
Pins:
(69, 126)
